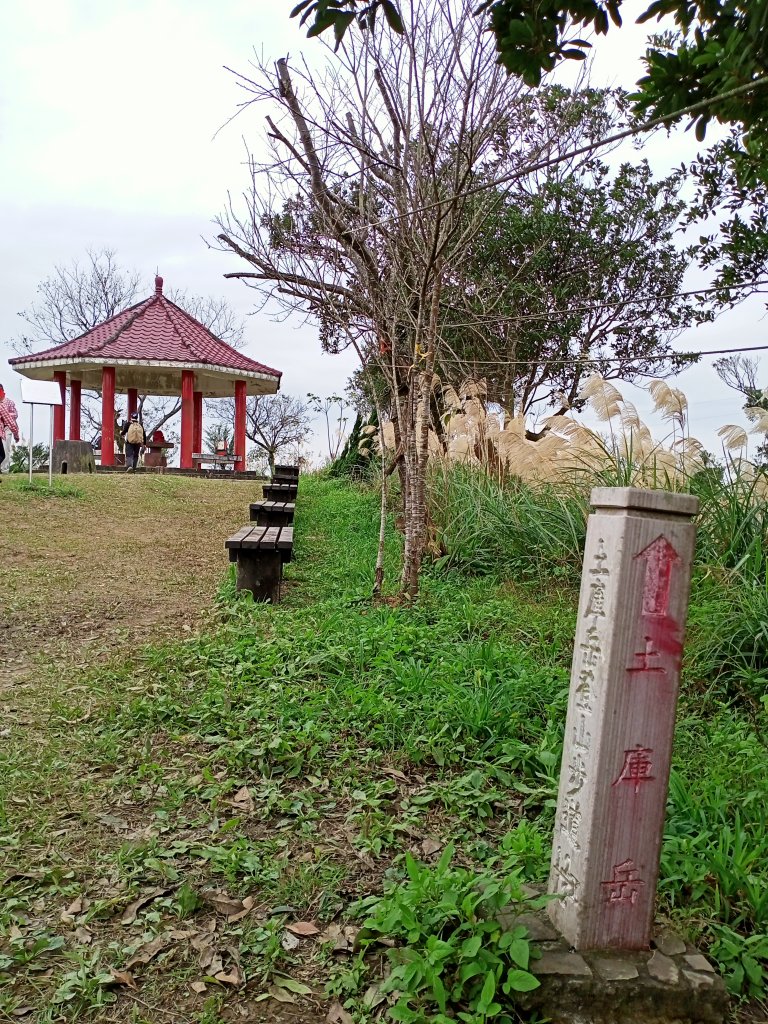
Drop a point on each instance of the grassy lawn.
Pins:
(201, 796)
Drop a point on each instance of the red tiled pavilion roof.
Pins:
(153, 330)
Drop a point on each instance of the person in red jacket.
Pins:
(9, 428)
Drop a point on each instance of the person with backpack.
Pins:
(135, 439)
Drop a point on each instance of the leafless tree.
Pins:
(80, 295)
(75, 298)
(361, 214)
(273, 422)
(740, 374)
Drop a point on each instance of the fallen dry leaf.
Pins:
(199, 987)
(243, 800)
(232, 909)
(149, 951)
(130, 912)
(22, 1011)
(343, 937)
(83, 935)
(290, 942)
(430, 847)
(395, 774)
(123, 978)
(234, 977)
(280, 994)
(338, 1015)
(303, 928)
(373, 996)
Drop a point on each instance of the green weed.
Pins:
(454, 957)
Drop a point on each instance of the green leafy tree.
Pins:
(20, 457)
(600, 289)
(220, 433)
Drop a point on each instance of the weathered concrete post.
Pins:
(621, 715)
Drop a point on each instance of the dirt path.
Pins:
(83, 576)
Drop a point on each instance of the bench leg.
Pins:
(260, 572)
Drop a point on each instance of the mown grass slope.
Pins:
(192, 836)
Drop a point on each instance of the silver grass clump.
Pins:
(759, 419)
(604, 399)
(569, 450)
(733, 436)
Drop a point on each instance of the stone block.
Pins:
(538, 927)
(622, 987)
(699, 981)
(615, 969)
(570, 964)
(73, 457)
(699, 963)
(663, 968)
(669, 944)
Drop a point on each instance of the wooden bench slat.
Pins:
(258, 539)
(285, 540)
(235, 540)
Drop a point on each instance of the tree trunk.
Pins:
(378, 578)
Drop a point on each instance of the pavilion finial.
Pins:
(158, 285)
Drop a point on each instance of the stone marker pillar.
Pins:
(621, 715)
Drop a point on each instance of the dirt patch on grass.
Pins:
(135, 559)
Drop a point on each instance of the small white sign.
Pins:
(40, 392)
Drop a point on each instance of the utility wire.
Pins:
(644, 126)
(597, 361)
(606, 305)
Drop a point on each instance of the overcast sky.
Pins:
(108, 138)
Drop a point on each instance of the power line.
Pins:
(577, 361)
(644, 126)
(607, 305)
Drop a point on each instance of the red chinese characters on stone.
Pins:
(637, 767)
(625, 886)
(647, 659)
(659, 557)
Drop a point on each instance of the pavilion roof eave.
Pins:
(51, 364)
(152, 376)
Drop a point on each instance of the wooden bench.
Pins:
(280, 492)
(272, 513)
(260, 552)
(216, 460)
(291, 472)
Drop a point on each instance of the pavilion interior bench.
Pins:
(260, 552)
(216, 460)
(272, 513)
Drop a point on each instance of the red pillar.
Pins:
(240, 423)
(133, 401)
(75, 387)
(197, 433)
(60, 411)
(108, 416)
(187, 418)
